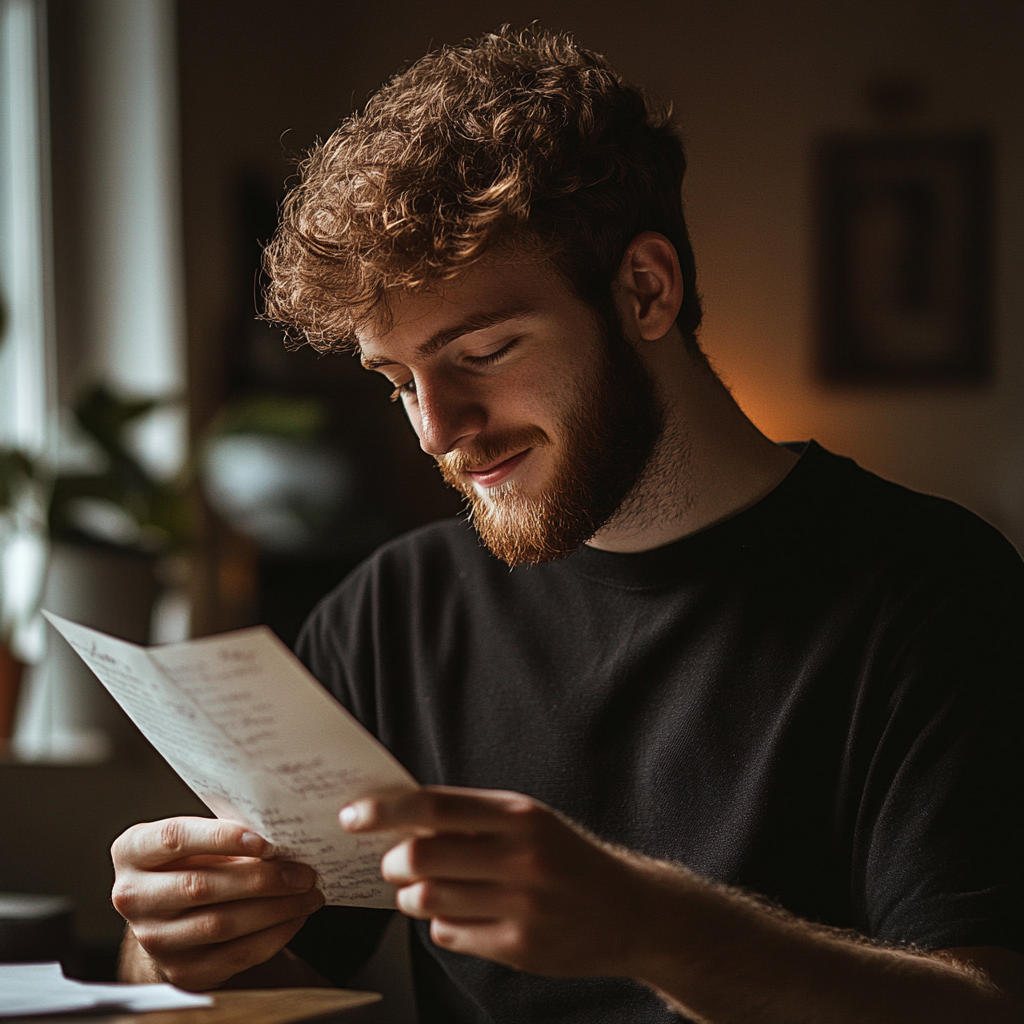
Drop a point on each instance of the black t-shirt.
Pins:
(818, 700)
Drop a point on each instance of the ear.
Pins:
(649, 286)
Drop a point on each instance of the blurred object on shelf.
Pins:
(269, 475)
(37, 928)
(280, 492)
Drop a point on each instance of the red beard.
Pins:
(607, 431)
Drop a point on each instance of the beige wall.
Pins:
(754, 83)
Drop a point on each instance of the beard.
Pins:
(608, 428)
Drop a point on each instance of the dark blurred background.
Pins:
(757, 86)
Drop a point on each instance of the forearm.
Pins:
(134, 964)
(721, 957)
(283, 970)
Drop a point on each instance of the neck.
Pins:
(710, 463)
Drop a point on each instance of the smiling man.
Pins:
(712, 728)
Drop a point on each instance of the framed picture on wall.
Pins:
(904, 260)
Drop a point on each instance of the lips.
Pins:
(497, 472)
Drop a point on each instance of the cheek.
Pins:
(533, 402)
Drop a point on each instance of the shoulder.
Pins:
(876, 521)
(940, 591)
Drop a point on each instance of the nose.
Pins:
(445, 417)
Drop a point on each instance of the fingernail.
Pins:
(254, 843)
(295, 876)
(350, 816)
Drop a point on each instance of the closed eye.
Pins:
(494, 356)
(408, 388)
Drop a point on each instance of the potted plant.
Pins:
(108, 525)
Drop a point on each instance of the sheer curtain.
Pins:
(27, 379)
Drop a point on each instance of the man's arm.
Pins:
(501, 876)
(732, 957)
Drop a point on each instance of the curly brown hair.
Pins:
(522, 140)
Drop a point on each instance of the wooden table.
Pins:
(263, 1006)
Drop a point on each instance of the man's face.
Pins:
(539, 413)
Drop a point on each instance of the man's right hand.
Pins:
(201, 902)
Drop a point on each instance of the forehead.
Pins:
(488, 292)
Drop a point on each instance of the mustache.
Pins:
(490, 449)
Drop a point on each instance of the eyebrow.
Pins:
(437, 341)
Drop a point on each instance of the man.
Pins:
(733, 738)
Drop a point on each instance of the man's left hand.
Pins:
(504, 877)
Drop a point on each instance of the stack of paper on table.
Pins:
(260, 742)
(42, 988)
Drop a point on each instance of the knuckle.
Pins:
(118, 848)
(194, 886)
(210, 929)
(126, 844)
(125, 898)
(172, 835)
(149, 938)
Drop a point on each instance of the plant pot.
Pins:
(11, 670)
(69, 717)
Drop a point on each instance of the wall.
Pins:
(754, 82)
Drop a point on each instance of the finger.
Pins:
(156, 843)
(221, 923)
(462, 901)
(206, 967)
(196, 882)
(451, 855)
(493, 940)
(441, 808)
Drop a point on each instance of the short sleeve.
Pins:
(939, 841)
